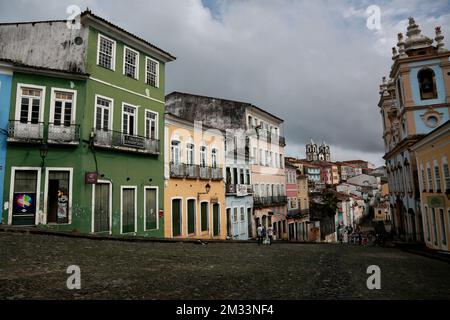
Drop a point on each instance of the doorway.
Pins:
(102, 207)
(176, 217)
(216, 222)
(58, 195)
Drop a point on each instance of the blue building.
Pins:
(6, 75)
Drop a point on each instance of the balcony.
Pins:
(177, 170)
(63, 134)
(118, 140)
(216, 173)
(191, 171)
(204, 173)
(260, 202)
(25, 131)
(239, 190)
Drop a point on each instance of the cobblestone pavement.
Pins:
(34, 267)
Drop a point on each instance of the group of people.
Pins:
(264, 236)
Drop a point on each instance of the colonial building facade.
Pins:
(413, 102)
(194, 193)
(254, 155)
(85, 128)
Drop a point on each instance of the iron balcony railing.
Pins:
(204, 172)
(191, 171)
(177, 170)
(25, 131)
(63, 134)
(119, 140)
(216, 173)
(269, 201)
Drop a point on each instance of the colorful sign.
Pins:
(90, 178)
(24, 203)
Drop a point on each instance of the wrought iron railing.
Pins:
(204, 173)
(63, 134)
(269, 201)
(216, 173)
(177, 170)
(25, 131)
(191, 171)
(115, 139)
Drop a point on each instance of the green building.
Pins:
(85, 135)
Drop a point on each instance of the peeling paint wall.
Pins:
(45, 44)
(215, 113)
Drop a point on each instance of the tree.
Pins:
(329, 204)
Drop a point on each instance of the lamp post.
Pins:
(207, 189)
(43, 151)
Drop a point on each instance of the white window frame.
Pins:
(64, 169)
(147, 134)
(111, 110)
(438, 176)
(145, 207)
(19, 100)
(445, 178)
(93, 205)
(203, 154)
(190, 153)
(113, 58)
(125, 104)
(11, 191)
(121, 208)
(157, 72)
(136, 70)
(172, 149)
(74, 105)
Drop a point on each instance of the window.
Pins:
(430, 178)
(427, 84)
(151, 125)
(63, 107)
(235, 215)
(437, 176)
(204, 216)
(214, 154)
(399, 93)
(247, 173)
(203, 156)
(103, 110)
(242, 214)
(128, 209)
(106, 52)
(446, 173)
(129, 120)
(25, 196)
(428, 224)
(433, 218)
(31, 104)
(130, 63)
(152, 72)
(58, 195)
(190, 153)
(242, 177)
(151, 208)
(443, 231)
(176, 156)
(422, 172)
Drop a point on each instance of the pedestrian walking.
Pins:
(270, 234)
(259, 232)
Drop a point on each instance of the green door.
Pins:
(151, 211)
(176, 217)
(128, 210)
(216, 230)
(101, 207)
(191, 216)
(204, 216)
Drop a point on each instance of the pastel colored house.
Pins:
(194, 193)
(86, 121)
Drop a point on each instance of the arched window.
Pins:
(203, 156)
(427, 84)
(214, 155)
(176, 156)
(190, 152)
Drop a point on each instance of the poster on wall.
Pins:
(24, 203)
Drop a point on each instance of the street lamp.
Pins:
(207, 189)
(43, 150)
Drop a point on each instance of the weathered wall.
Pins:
(44, 44)
(215, 113)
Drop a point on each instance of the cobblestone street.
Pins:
(34, 267)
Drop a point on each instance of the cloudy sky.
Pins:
(315, 64)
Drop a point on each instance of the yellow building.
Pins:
(432, 155)
(194, 193)
(302, 192)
